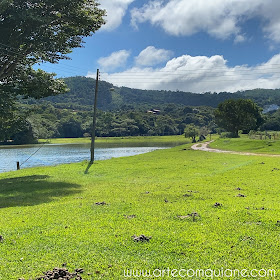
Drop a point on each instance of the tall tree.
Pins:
(238, 114)
(191, 131)
(37, 31)
(43, 31)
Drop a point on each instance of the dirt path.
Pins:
(204, 147)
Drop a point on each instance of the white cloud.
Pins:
(219, 18)
(270, 13)
(152, 56)
(114, 61)
(199, 74)
(116, 10)
(239, 39)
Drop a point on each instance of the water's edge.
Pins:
(54, 154)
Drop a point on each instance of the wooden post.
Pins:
(94, 119)
(18, 166)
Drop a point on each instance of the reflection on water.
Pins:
(53, 154)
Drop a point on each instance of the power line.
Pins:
(206, 75)
(121, 77)
(184, 81)
(169, 72)
(70, 67)
(159, 71)
(125, 83)
(140, 77)
(32, 155)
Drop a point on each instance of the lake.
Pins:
(53, 154)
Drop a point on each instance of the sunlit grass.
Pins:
(244, 144)
(180, 139)
(49, 215)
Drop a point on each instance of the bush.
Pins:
(228, 135)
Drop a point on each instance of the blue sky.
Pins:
(189, 45)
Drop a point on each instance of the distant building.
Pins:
(154, 111)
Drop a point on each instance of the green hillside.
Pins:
(81, 93)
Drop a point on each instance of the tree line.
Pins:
(46, 121)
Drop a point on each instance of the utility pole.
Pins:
(94, 119)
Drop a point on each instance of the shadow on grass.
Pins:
(88, 167)
(33, 190)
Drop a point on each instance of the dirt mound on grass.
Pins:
(60, 274)
(141, 238)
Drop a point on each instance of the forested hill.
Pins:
(81, 96)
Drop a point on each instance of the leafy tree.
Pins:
(25, 133)
(191, 131)
(166, 125)
(12, 121)
(44, 126)
(240, 114)
(70, 127)
(204, 131)
(37, 31)
(7, 114)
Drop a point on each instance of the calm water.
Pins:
(53, 154)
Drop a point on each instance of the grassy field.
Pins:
(179, 139)
(49, 215)
(244, 144)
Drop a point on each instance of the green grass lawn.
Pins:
(49, 215)
(179, 139)
(244, 144)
